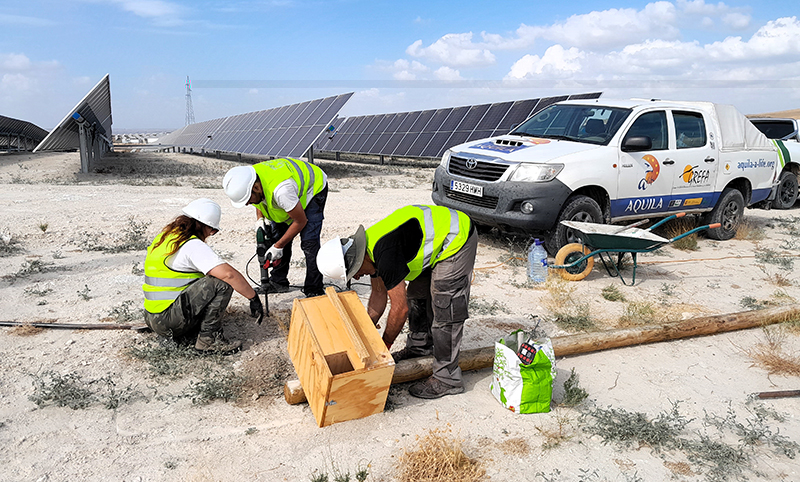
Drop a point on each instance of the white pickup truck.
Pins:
(786, 136)
(610, 161)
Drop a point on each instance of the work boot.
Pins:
(216, 344)
(312, 293)
(407, 353)
(433, 388)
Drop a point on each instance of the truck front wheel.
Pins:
(787, 191)
(728, 212)
(578, 208)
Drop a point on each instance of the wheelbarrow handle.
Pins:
(668, 218)
(692, 231)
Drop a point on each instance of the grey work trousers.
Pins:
(197, 311)
(438, 306)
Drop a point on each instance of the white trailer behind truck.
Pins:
(610, 161)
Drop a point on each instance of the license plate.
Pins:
(470, 189)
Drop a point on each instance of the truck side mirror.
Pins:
(637, 143)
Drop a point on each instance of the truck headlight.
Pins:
(535, 172)
(445, 158)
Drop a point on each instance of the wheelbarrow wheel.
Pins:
(568, 255)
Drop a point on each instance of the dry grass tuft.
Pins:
(555, 436)
(25, 330)
(679, 468)
(438, 458)
(570, 312)
(771, 355)
(515, 446)
(748, 230)
(676, 227)
(29, 330)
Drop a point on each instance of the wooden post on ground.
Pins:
(479, 358)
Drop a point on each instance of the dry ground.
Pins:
(72, 254)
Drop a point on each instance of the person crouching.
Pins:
(188, 286)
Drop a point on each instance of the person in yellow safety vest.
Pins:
(291, 194)
(433, 248)
(187, 286)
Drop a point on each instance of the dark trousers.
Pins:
(197, 311)
(438, 300)
(309, 243)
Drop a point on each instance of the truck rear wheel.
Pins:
(578, 208)
(728, 212)
(787, 191)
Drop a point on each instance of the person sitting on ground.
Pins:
(187, 285)
(433, 248)
(291, 194)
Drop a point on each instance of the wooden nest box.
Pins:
(342, 363)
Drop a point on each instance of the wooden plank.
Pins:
(331, 336)
(358, 394)
(360, 350)
(309, 362)
(379, 354)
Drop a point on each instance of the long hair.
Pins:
(185, 227)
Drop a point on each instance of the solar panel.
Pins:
(412, 134)
(386, 135)
(19, 134)
(588, 96)
(286, 131)
(400, 133)
(428, 133)
(95, 108)
(421, 142)
(518, 112)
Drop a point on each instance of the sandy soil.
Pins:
(66, 226)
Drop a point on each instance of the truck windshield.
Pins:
(579, 123)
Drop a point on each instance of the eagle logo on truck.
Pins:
(651, 174)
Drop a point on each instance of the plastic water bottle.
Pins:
(537, 262)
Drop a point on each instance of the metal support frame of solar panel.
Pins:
(428, 133)
(18, 132)
(95, 107)
(286, 131)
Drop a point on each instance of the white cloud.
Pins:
(608, 28)
(16, 83)
(446, 73)
(404, 75)
(737, 21)
(15, 62)
(455, 50)
(556, 61)
(777, 38)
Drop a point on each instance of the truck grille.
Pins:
(488, 202)
(484, 171)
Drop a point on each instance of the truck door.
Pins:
(645, 183)
(696, 163)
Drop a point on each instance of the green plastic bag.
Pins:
(521, 387)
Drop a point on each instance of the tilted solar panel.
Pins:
(286, 131)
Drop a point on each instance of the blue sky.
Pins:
(395, 56)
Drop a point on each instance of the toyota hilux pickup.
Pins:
(607, 161)
(786, 137)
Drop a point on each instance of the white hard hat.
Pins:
(341, 258)
(204, 210)
(238, 184)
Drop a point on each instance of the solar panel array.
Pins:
(95, 107)
(19, 134)
(287, 131)
(428, 133)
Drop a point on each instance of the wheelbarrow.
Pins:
(575, 261)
